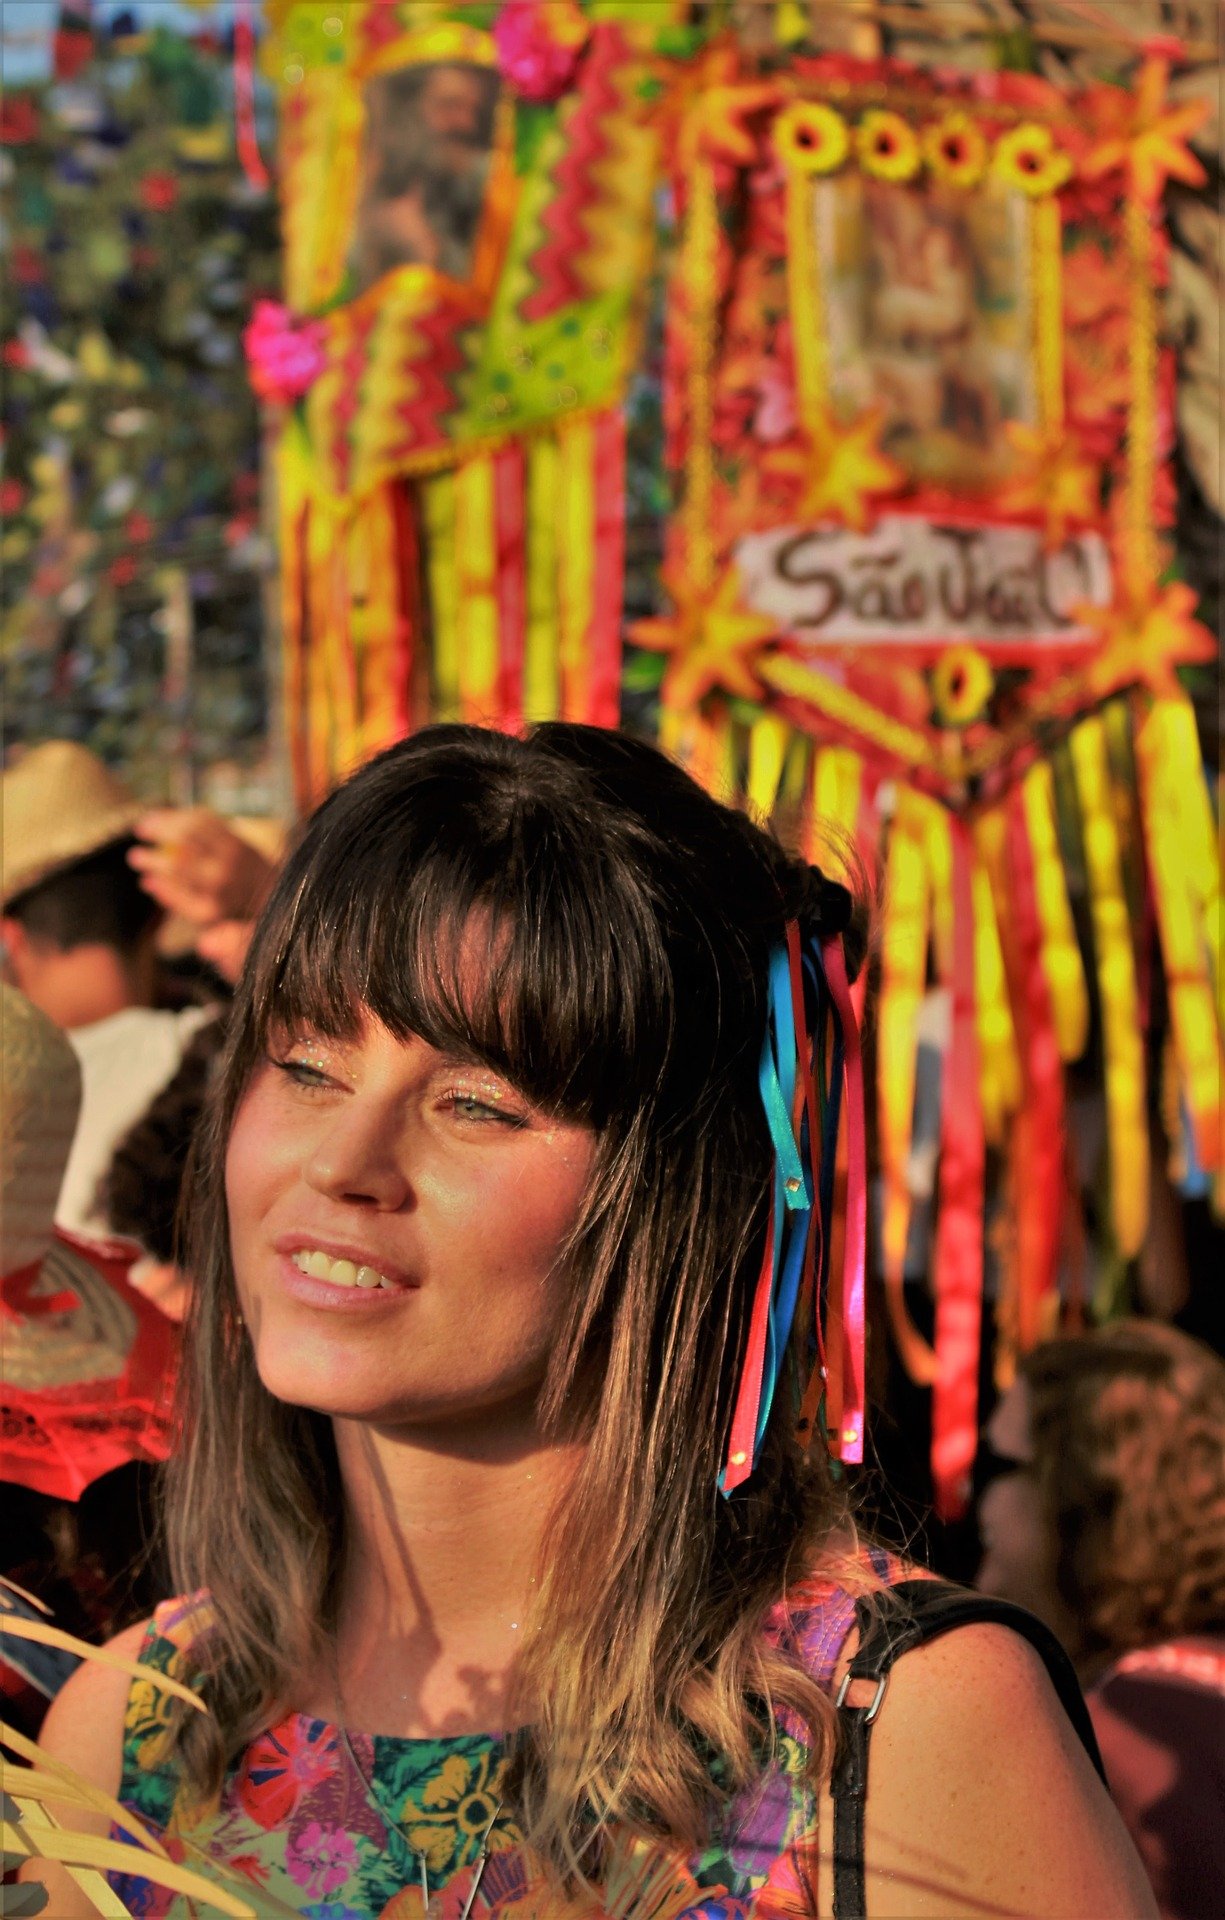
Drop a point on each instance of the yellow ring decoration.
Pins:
(1028, 159)
(888, 146)
(962, 683)
(956, 151)
(811, 138)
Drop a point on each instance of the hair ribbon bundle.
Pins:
(806, 1066)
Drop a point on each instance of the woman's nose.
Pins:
(359, 1158)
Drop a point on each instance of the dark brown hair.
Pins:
(1128, 1428)
(627, 921)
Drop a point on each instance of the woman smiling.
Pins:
(486, 1621)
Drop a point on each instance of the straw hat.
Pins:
(73, 1324)
(40, 1096)
(60, 804)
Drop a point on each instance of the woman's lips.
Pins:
(342, 1298)
(324, 1272)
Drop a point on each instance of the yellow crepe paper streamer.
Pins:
(476, 590)
(1122, 1041)
(439, 512)
(541, 652)
(804, 295)
(699, 276)
(837, 791)
(939, 848)
(999, 1062)
(718, 734)
(576, 564)
(375, 616)
(1138, 552)
(1061, 960)
(1046, 284)
(830, 836)
(794, 680)
(768, 738)
(331, 711)
(904, 929)
(1186, 886)
(292, 492)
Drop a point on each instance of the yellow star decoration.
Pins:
(712, 637)
(1144, 642)
(839, 470)
(720, 121)
(1052, 478)
(1147, 138)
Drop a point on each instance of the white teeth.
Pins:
(338, 1273)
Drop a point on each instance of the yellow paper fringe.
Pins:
(1061, 961)
(439, 513)
(576, 564)
(768, 738)
(806, 302)
(476, 591)
(904, 931)
(1138, 550)
(1122, 1042)
(699, 275)
(837, 791)
(541, 661)
(998, 1059)
(1185, 874)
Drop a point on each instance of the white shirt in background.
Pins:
(126, 1060)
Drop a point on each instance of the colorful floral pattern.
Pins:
(295, 1818)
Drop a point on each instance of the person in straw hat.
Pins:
(85, 1364)
(80, 933)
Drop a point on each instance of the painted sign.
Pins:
(918, 582)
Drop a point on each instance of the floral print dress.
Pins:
(301, 1827)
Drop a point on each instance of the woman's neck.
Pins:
(443, 1533)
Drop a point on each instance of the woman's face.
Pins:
(396, 1218)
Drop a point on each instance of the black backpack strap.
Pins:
(915, 1612)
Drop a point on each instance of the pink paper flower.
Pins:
(540, 43)
(284, 356)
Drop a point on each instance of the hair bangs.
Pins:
(501, 950)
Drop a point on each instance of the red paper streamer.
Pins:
(744, 1420)
(408, 618)
(508, 498)
(959, 1243)
(848, 1442)
(605, 632)
(1038, 1134)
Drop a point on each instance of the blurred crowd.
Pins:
(123, 930)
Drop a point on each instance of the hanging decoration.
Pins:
(917, 585)
(920, 413)
(468, 212)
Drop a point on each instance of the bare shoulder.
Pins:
(981, 1797)
(84, 1723)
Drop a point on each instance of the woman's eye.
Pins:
(301, 1073)
(482, 1108)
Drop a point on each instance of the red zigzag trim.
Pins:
(554, 264)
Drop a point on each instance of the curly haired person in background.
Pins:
(1111, 1527)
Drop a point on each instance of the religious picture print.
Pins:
(425, 166)
(927, 319)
